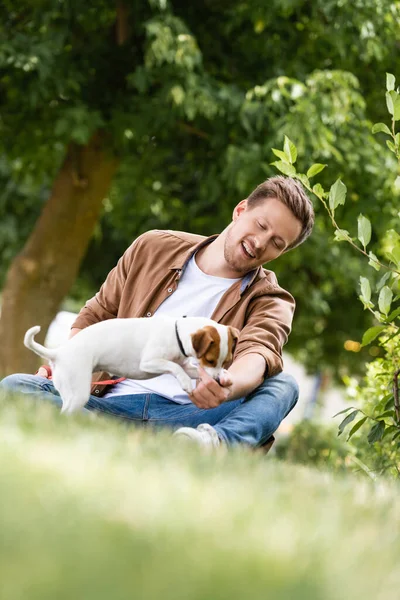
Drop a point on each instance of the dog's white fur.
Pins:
(135, 348)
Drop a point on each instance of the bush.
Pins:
(317, 444)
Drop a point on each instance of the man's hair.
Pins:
(292, 194)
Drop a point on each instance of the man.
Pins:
(176, 274)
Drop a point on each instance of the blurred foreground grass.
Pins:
(93, 509)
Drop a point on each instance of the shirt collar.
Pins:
(181, 261)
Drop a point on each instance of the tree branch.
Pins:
(122, 23)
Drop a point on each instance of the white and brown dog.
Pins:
(136, 348)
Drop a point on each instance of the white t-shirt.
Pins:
(197, 295)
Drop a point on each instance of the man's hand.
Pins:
(42, 372)
(209, 393)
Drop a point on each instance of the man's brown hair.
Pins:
(292, 194)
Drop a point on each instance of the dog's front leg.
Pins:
(190, 369)
(161, 365)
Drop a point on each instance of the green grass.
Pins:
(93, 509)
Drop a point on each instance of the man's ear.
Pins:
(201, 341)
(239, 208)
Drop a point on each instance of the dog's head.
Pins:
(214, 347)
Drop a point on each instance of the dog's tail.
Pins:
(38, 348)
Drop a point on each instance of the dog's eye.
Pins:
(210, 360)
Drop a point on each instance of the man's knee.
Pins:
(286, 387)
(16, 382)
(291, 387)
(11, 382)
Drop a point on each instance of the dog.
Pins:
(137, 348)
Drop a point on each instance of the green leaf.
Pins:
(281, 155)
(364, 230)
(373, 261)
(386, 414)
(348, 420)
(341, 235)
(284, 168)
(381, 127)
(356, 427)
(389, 103)
(385, 299)
(376, 432)
(337, 194)
(389, 430)
(383, 280)
(365, 289)
(379, 316)
(290, 150)
(303, 178)
(315, 169)
(371, 334)
(390, 82)
(394, 254)
(393, 315)
(341, 412)
(391, 337)
(178, 94)
(318, 190)
(389, 401)
(393, 104)
(391, 146)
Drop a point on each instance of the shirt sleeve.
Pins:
(267, 329)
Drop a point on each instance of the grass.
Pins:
(93, 509)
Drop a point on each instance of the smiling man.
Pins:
(182, 274)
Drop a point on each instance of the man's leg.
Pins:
(130, 408)
(250, 421)
(30, 385)
(255, 420)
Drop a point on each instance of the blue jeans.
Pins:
(250, 421)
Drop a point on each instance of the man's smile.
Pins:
(248, 250)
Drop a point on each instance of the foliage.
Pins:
(316, 444)
(380, 448)
(192, 100)
(93, 505)
(386, 418)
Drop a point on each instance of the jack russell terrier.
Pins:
(138, 349)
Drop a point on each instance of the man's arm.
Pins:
(258, 351)
(243, 376)
(247, 373)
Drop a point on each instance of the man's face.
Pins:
(258, 235)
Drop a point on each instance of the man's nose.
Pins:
(262, 240)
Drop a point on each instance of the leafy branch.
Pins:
(331, 200)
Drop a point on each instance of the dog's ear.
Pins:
(201, 341)
(233, 336)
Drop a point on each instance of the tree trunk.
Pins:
(43, 272)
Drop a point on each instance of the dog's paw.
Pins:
(186, 384)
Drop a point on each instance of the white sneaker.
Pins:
(204, 435)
